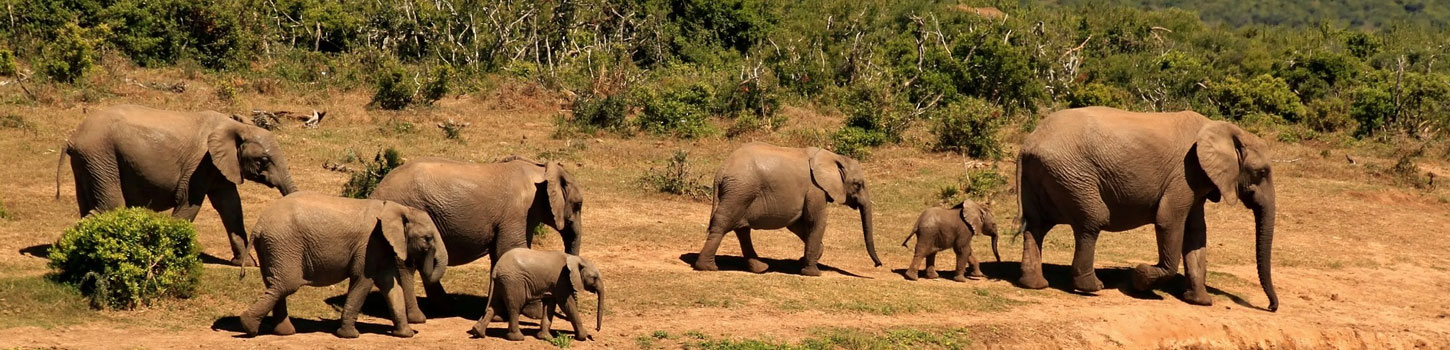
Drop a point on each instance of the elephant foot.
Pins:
(1197, 298)
(976, 275)
(284, 327)
(403, 332)
(514, 336)
(416, 317)
(581, 336)
(1146, 276)
(756, 265)
(347, 331)
(544, 335)
(960, 278)
(1087, 284)
(931, 274)
(812, 271)
(910, 275)
(251, 325)
(1033, 281)
(243, 262)
(703, 265)
(480, 329)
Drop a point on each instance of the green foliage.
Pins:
(1095, 94)
(673, 177)
(1264, 94)
(397, 127)
(978, 184)
(71, 54)
(393, 90)
(128, 257)
(969, 126)
(7, 63)
(592, 113)
(677, 111)
(856, 142)
(1372, 108)
(437, 87)
(561, 340)
(363, 181)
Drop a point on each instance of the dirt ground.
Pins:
(1359, 262)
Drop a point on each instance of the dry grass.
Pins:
(1357, 259)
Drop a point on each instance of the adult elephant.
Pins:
(135, 156)
(1099, 168)
(485, 209)
(761, 186)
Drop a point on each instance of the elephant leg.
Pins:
(357, 291)
(272, 300)
(98, 186)
(386, 280)
(747, 248)
(914, 268)
(546, 324)
(481, 327)
(706, 260)
(1195, 260)
(961, 268)
(1032, 257)
(931, 266)
(284, 323)
(976, 266)
(1084, 278)
(410, 296)
(513, 305)
(229, 205)
(811, 233)
(1170, 254)
(571, 310)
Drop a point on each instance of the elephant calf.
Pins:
(940, 228)
(313, 239)
(523, 275)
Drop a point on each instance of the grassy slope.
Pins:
(1352, 262)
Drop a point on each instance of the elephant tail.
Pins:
(909, 235)
(1021, 204)
(246, 251)
(59, 162)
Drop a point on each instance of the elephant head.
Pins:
(980, 220)
(242, 151)
(844, 182)
(414, 239)
(585, 277)
(565, 200)
(1237, 166)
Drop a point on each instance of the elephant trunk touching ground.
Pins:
(599, 307)
(867, 229)
(1262, 203)
(994, 246)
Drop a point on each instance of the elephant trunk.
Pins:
(867, 229)
(599, 307)
(434, 265)
(1263, 207)
(994, 248)
(286, 186)
(571, 233)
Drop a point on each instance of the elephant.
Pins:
(1099, 168)
(484, 209)
(129, 155)
(313, 239)
(938, 229)
(522, 275)
(761, 186)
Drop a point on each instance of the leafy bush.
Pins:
(128, 257)
(363, 181)
(677, 111)
(874, 117)
(7, 63)
(393, 90)
(71, 54)
(1262, 94)
(969, 126)
(592, 113)
(1372, 108)
(1329, 115)
(673, 177)
(857, 142)
(978, 184)
(1095, 94)
(437, 87)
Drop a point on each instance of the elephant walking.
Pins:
(555, 278)
(485, 209)
(1101, 168)
(761, 186)
(939, 229)
(135, 156)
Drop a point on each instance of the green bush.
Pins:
(1094, 94)
(393, 90)
(364, 181)
(7, 63)
(128, 257)
(1329, 115)
(71, 54)
(437, 87)
(1372, 108)
(593, 112)
(856, 142)
(969, 126)
(673, 177)
(679, 111)
(1262, 94)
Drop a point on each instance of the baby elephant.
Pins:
(312, 239)
(941, 228)
(522, 275)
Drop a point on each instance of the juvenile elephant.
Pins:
(523, 275)
(312, 239)
(1101, 168)
(483, 209)
(938, 229)
(130, 155)
(761, 186)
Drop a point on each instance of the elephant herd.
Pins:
(1094, 169)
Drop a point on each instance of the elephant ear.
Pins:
(826, 173)
(575, 278)
(1219, 156)
(972, 215)
(391, 217)
(563, 192)
(223, 144)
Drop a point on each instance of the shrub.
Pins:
(593, 112)
(437, 87)
(127, 257)
(1094, 94)
(393, 90)
(397, 127)
(674, 177)
(1329, 115)
(71, 54)
(7, 63)
(978, 184)
(1262, 94)
(1372, 108)
(363, 181)
(677, 111)
(453, 130)
(969, 126)
(857, 142)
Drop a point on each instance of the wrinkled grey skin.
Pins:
(135, 156)
(761, 186)
(523, 275)
(313, 239)
(1100, 168)
(481, 209)
(938, 229)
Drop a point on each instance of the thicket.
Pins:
(363, 181)
(128, 257)
(694, 68)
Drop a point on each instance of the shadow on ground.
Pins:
(303, 325)
(737, 263)
(40, 251)
(1060, 277)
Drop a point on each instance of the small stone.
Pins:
(1334, 297)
